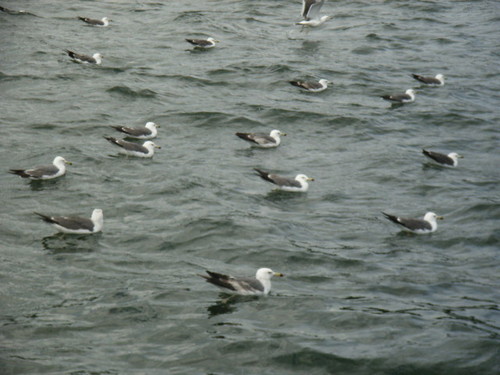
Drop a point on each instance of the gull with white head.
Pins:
(44, 172)
(260, 285)
(297, 184)
(76, 224)
(420, 226)
(263, 140)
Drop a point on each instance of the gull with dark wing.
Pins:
(260, 285)
(312, 86)
(450, 160)
(203, 43)
(104, 21)
(44, 172)
(420, 226)
(149, 131)
(310, 12)
(263, 140)
(76, 224)
(145, 150)
(438, 80)
(407, 97)
(297, 184)
(96, 58)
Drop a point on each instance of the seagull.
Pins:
(310, 12)
(104, 21)
(312, 86)
(297, 184)
(438, 80)
(76, 224)
(263, 140)
(147, 150)
(44, 172)
(260, 285)
(407, 97)
(451, 159)
(203, 43)
(426, 225)
(96, 58)
(149, 131)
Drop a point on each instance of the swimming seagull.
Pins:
(312, 86)
(104, 21)
(263, 140)
(297, 184)
(260, 285)
(203, 43)
(426, 225)
(438, 80)
(76, 224)
(407, 97)
(147, 149)
(96, 58)
(310, 12)
(149, 131)
(44, 172)
(451, 159)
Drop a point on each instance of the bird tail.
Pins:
(417, 77)
(111, 140)
(242, 135)
(263, 174)
(19, 172)
(391, 217)
(45, 217)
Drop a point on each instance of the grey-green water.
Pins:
(359, 297)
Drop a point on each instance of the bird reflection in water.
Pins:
(226, 304)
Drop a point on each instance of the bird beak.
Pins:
(310, 179)
(216, 41)
(156, 146)
(440, 217)
(460, 156)
(278, 274)
(283, 134)
(68, 162)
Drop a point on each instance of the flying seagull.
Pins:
(146, 150)
(426, 225)
(44, 172)
(407, 97)
(203, 43)
(149, 131)
(438, 80)
(451, 159)
(76, 224)
(312, 86)
(263, 140)
(310, 12)
(96, 58)
(297, 184)
(260, 285)
(104, 21)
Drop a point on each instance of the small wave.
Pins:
(128, 92)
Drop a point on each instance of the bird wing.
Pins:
(440, 158)
(258, 138)
(81, 57)
(69, 222)
(311, 8)
(427, 80)
(135, 132)
(43, 170)
(278, 180)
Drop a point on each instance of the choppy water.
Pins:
(359, 297)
